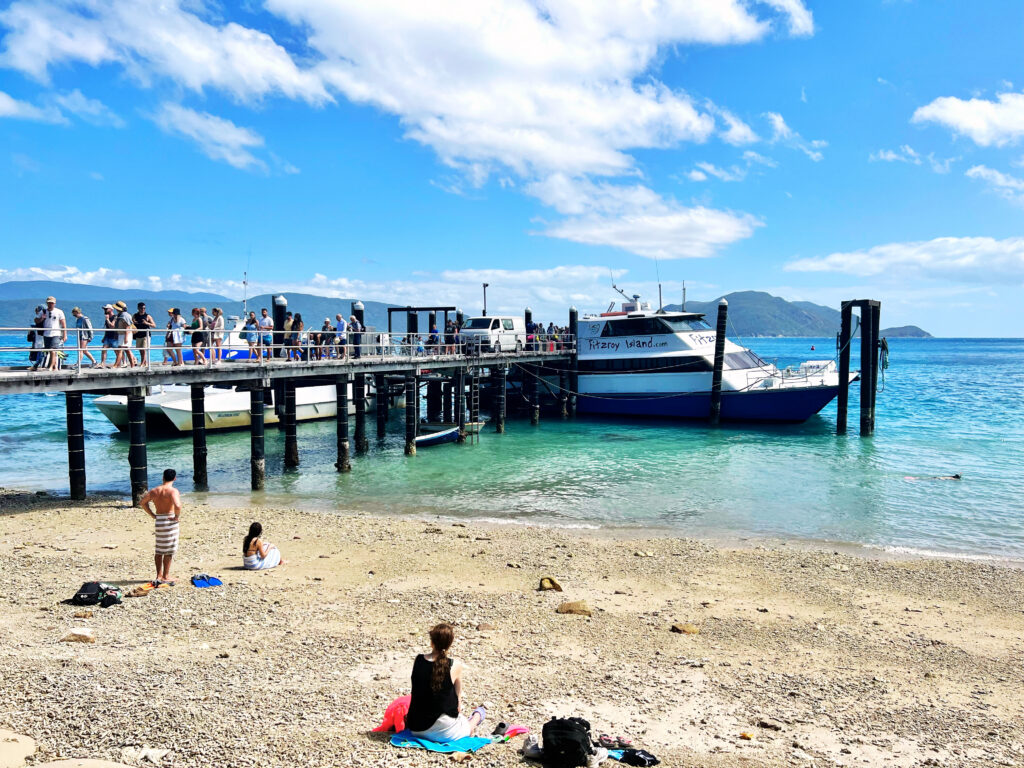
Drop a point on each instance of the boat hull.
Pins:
(789, 404)
(449, 435)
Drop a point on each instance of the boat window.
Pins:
(507, 324)
(744, 359)
(679, 324)
(635, 326)
(478, 323)
(696, 364)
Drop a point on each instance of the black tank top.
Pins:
(426, 705)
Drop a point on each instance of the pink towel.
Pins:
(394, 715)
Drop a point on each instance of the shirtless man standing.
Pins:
(167, 503)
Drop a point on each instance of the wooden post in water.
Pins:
(137, 469)
(460, 404)
(257, 456)
(359, 395)
(876, 319)
(531, 373)
(434, 405)
(383, 402)
(199, 475)
(574, 376)
(843, 402)
(446, 402)
(76, 444)
(411, 396)
(868, 365)
(716, 374)
(341, 384)
(291, 441)
(500, 377)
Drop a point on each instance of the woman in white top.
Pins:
(217, 327)
(176, 337)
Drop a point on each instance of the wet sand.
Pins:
(821, 658)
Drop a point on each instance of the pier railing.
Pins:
(30, 348)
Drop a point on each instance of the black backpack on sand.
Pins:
(566, 742)
(97, 593)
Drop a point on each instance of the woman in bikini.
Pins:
(258, 555)
(434, 711)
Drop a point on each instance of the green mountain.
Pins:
(905, 332)
(756, 313)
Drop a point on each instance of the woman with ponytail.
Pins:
(434, 711)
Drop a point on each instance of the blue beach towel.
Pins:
(467, 744)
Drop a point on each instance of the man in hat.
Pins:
(55, 332)
(123, 323)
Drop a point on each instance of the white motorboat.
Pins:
(169, 408)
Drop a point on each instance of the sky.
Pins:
(409, 152)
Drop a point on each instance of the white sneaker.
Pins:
(599, 756)
(531, 748)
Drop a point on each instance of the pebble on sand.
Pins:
(686, 629)
(548, 583)
(577, 607)
(79, 635)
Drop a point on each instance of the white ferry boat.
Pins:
(639, 362)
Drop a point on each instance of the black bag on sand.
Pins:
(89, 593)
(639, 757)
(566, 742)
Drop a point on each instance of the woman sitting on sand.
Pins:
(437, 693)
(258, 555)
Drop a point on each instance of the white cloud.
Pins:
(782, 133)
(1009, 187)
(735, 173)
(22, 110)
(965, 259)
(752, 158)
(801, 22)
(803, 94)
(906, 154)
(219, 139)
(987, 123)
(91, 110)
(696, 175)
(738, 132)
(636, 219)
(941, 165)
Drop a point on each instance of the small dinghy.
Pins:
(449, 435)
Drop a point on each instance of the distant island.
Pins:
(751, 313)
(905, 332)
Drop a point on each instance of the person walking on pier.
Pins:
(176, 337)
(144, 324)
(356, 329)
(166, 513)
(124, 324)
(217, 335)
(84, 326)
(266, 333)
(109, 340)
(55, 332)
(341, 331)
(252, 335)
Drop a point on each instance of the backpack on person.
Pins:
(566, 742)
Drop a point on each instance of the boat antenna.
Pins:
(683, 306)
(620, 291)
(657, 273)
(245, 284)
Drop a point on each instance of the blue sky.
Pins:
(408, 152)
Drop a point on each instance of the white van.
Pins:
(502, 333)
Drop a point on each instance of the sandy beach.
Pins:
(802, 656)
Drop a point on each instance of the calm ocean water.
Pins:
(947, 406)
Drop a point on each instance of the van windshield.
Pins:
(478, 323)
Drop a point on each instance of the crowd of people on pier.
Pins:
(131, 338)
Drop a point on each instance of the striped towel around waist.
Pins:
(166, 535)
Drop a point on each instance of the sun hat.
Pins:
(49, 299)
(108, 306)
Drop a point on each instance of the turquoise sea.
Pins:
(945, 406)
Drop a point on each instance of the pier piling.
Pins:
(383, 402)
(460, 404)
(280, 309)
(291, 442)
(434, 405)
(341, 384)
(574, 377)
(199, 475)
(500, 377)
(446, 402)
(137, 469)
(716, 374)
(411, 398)
(870, 319)
(359, 395)
(563, 392)
(843, 400)
(76, 444)
(257, 456)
